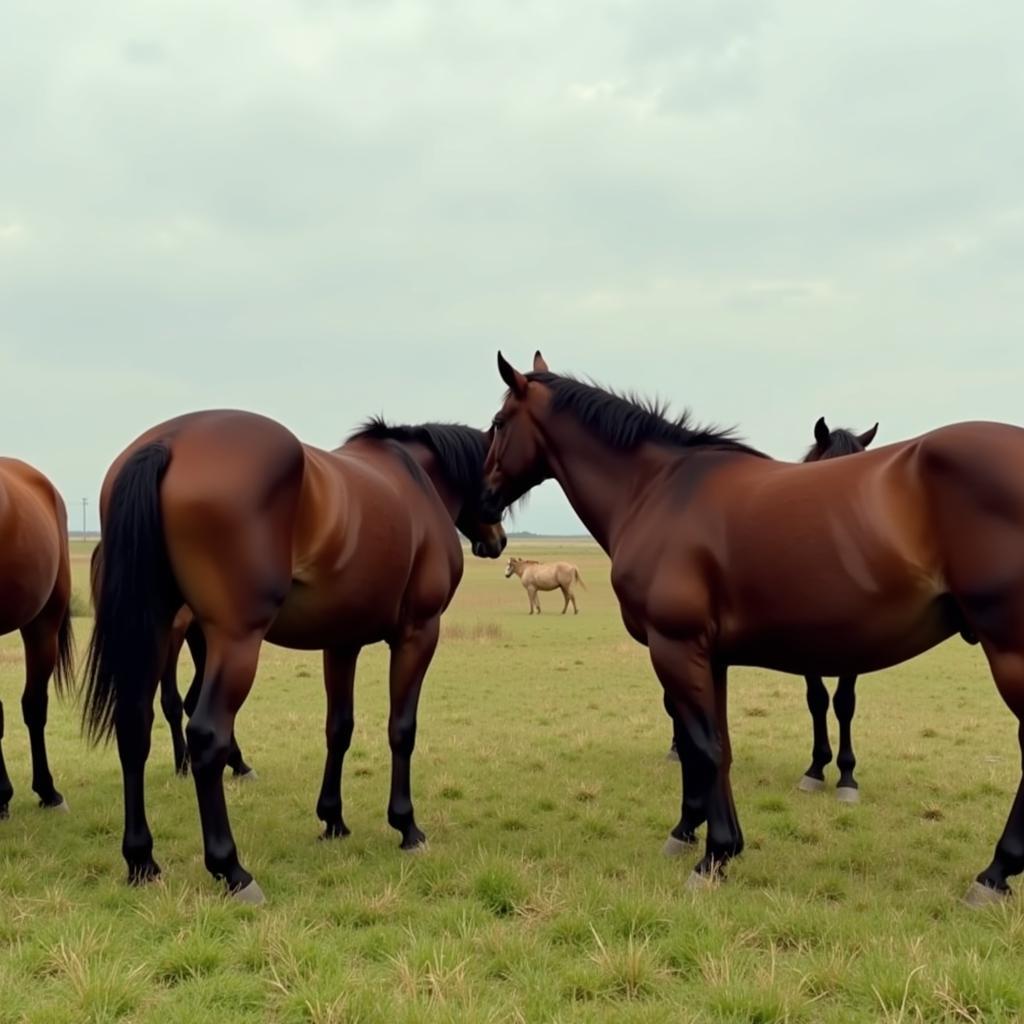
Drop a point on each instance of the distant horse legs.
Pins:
(411, 654)
(170, 701)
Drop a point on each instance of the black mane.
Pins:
(625, 421)
(460, 450)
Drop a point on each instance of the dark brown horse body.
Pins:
(265, 538)
(723, 557)
(35, 596)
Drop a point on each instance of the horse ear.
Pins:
(539, 365)
(512, 377)
(822, 433)
(868, 436)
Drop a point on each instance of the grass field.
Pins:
(540, 780)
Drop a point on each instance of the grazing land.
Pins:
(540, 780)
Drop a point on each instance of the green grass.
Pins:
(540, 780)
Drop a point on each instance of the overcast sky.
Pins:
(323, 210)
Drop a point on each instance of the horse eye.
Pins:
(498, 423)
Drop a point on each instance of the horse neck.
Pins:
(427, 460)
(600, 481)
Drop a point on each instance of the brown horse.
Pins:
(721, 556)
(536, 576)
(828, 444)
(265, 538)
(35, 598)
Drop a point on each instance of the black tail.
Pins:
(64, 673)
(135, 596)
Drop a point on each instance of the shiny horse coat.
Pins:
(265, 538)
(721, 556)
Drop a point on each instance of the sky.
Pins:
(761, 211)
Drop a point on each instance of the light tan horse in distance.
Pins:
(537, 576)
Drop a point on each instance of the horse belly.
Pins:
(870, 642)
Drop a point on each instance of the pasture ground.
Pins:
(539, 778)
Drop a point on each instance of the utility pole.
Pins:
(85, 501)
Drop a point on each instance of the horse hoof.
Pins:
(700, 883)
(847, 795)
(809, 784)
(419, 846)
(5, 812)
(672, 755)
(335, 832)
(251, 894)
(249, 776)
(143, 873)
(677, 847)
(981, 895)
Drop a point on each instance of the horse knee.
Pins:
(339, 732)
(34, 708)
(208, 744)
(170, 704)
(402, 736)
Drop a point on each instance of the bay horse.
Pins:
(828, 444)
(721, 556)
(35, 598)
(266, 538)
(537, 576)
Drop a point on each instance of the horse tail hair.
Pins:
(578, 577)
(134, 595)
(64, 670)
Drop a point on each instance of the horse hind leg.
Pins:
(992, 883)
(565, 594)
(813, 779)
(228, 672)
(40, 640)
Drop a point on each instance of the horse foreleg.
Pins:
(698, 699)
(339, 680)
(230, 666)
(821, 752)
(844, 703)
(411, 654)
(40, 639)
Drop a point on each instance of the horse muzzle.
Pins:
(490, 548)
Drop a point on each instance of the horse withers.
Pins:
(722, 556)
(537, 576)
(35, 599)
(265, 538)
